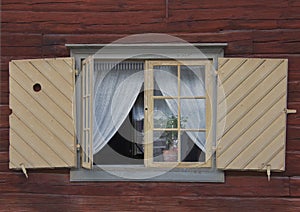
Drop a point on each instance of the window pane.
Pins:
(165, 113)
(193, 115)
(165, 80)
(165, 146)
(192, 81)
(190, 151)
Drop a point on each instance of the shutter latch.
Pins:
(269, 172)
(288, 111)
(24, 170)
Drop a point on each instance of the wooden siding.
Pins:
(268, 29)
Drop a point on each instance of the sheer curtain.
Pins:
(116, 87)
(192, 83)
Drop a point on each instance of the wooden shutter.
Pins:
(87, 119)
(251, 114)
(42, 128)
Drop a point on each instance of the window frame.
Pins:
(209, 51)
(149, 98)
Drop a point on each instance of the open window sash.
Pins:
(87, 113)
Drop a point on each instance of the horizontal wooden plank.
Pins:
(4, 76)
(141, 203)
(160, 26)
(293, 145)
(295, 186)
(255, 186)
(106, 5)
(276, 42)
(276, 35)
(288, 24)
(60, 39)
(124, 21)
(3, 88)
(4, 93)
(207, 4)
(293, 96)
(277, 47)
(21, 40)
(19, 51)
(293, 163)
(5, 111)
(293, 132)
(233, 13)
(4, 139)
(83, 6)
(294, 119)
(4, 157)
(4, 97)
(120, 17)
(4, 167)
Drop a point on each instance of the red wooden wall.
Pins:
(40, 28)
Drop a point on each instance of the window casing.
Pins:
(208, 172)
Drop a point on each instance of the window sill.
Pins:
(141, 173)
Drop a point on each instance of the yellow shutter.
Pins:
(87, 119)
(251, 114)
(42, 128)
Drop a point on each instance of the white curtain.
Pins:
(192, 83)
(116, 87)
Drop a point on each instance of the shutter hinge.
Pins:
(78, 147)
(76, 72)
(289, 111)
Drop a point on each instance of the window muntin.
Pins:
(87, 107)
(171, 126)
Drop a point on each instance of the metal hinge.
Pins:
(76, 72)
(78, 147)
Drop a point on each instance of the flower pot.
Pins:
(170, 155)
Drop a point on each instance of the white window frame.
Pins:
(208, 51)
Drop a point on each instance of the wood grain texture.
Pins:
(5, 111)
(295, 186)
(145, 203)
(38, 29)
(255, 186)
(42, 131)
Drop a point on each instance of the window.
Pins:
(154, 116)
(210, 114)
(178, 112)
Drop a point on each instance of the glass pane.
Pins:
(192, 81)
(165, 146)
(190, 142)
(165, 81)
(165, 113)
(193, 113)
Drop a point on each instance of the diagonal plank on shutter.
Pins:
(42, 130)
(251, 113)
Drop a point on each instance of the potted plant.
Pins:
(170, 154)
